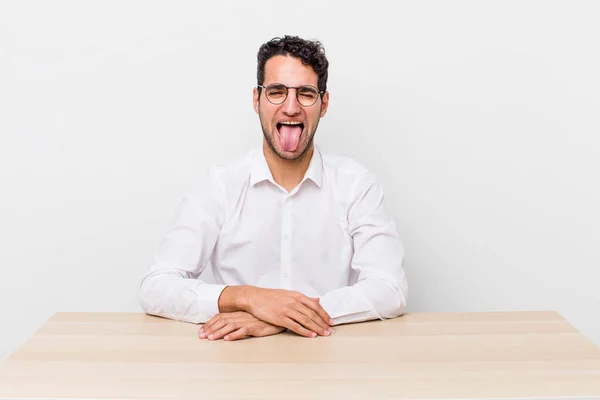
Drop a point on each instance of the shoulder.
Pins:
(222, 179)
(227, 171)
(341, 164)
(347, 174)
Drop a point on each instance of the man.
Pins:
(297, 239)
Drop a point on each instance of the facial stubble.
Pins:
(269, 139)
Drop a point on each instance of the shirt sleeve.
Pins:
(381, 288)
(171, 287)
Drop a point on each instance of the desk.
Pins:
(420, 355)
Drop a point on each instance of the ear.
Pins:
(255, 99)
(324, 104)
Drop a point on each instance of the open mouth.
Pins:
(291, 124)
(289, 134)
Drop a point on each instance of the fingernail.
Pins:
(313, 335)
(331, 331)
(202, 335)
(211, 337)
(226, 338)
(330, 322)
(327, 332)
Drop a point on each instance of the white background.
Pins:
(481, 120)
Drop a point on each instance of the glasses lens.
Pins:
(307, 95)
(276, 93)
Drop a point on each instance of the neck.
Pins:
(287, 173)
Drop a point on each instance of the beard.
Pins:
(300, 152)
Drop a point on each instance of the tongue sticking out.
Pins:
(289, 136)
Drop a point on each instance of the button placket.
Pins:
(286, 244)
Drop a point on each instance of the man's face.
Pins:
(286, 138)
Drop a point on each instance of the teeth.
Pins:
(291, 122)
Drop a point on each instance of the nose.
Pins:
(290, 106)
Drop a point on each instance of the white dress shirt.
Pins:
(330, 237)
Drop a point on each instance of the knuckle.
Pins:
(288, 309)
(291, 300)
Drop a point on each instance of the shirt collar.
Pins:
(261, 172)
(315, 168)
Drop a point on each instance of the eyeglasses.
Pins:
(277, 93)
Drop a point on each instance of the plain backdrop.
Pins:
(480, 119)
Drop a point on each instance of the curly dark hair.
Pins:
(310, 52)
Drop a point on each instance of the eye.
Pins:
(307, 92)
(276, 91)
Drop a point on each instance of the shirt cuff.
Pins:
(208, 301)
(346, 305)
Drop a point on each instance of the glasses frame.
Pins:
(287, 92)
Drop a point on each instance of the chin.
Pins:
(289, 155)
(272, 139)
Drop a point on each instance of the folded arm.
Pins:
(171, 288)
(381, 288)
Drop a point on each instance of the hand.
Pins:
(293, 310)
(236, 325)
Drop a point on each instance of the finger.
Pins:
(314, 316)
(299, 329)
(235, 335)
(323, 327)
(330, 321)
(204, 328)
(308, 323)
(211, 322)
(316, 307)
(218, 334)
(213, 328)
